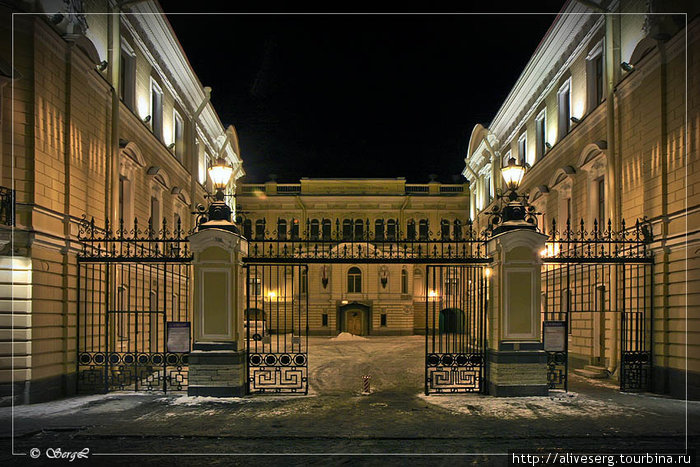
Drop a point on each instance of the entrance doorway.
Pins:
(354, 318)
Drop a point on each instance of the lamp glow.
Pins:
(513, 174)
(432, 294)
(271, 295)
(220, 174)
(488, 272)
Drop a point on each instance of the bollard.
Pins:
(365, 384)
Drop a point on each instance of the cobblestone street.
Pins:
(395, 419)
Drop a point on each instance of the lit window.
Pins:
(156, 110)
(295, 229)
(354, 280)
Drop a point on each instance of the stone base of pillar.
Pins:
(218, 371)
(513, 373)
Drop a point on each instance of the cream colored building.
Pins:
(364, 297)
(102, 116)
(606, 114)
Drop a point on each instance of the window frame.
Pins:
(179, 149)
(561, 118)
(522, 148)
(156, 118)
(540, 136)
(354, 280)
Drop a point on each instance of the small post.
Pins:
(365, 384)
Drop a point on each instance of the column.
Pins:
(517, 363)
(217, 365)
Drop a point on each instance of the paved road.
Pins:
(395, 419)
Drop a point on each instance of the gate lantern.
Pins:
(219, 213)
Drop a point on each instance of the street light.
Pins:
(513, 214)
(219, 215)
(513, 175)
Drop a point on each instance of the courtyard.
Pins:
(336, 424)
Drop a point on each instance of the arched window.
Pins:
(444, 229)
(379, 229)
(295, 229)
(404, 281)
(359, 229)
(260, 229)
(248, 229)
(281, 229)
(458, 229)
(354, 280)
(315, 230)
(347, 230)
(391, 229)
(411, 230)
(326, 229)
(423, 229)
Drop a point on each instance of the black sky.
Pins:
(357, 95)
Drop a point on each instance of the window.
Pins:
(522, 149)
(295, 229)
(155, 215)
(315, 229)
(594, 76)
(564, 109)
(601, 203)
(127, 77)
(178, 135)
(260, 229)
(304, 281)
(324, 320)
(326, 229)
(506, 158)
(423, 229)
(458, 229)
(201, 162)
(281, 229)
(254, 287)
(411, 230)
(540, 135)
(404, 281)
(444, 229)
(391, 229)
(347, 229)
(382, 320)
(248, 229)
(359, 229)
(379, 229)
(354, 280)
(156, 110)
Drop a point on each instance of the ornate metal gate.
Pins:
(276, 328)
(134, 312)
(594, 282)
(455, 328)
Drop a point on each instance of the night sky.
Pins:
(357, 95)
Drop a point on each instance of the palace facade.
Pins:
(102, 116)
(606, 116)
(382, 298)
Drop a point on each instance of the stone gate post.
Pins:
(217, 365)
(517, 363)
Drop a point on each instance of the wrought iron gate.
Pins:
(276, 328)
(134, 311)
(593, 282)
(455, 328)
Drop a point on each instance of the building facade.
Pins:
(605, 116)
(103, 117)
(365, 298)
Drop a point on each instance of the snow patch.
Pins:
(346, 336)
(199, 400)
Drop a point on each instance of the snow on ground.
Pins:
(557, 404)
(346, 336)
(74, 404)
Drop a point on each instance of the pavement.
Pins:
(335, 424)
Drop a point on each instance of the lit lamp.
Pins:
(219, 215)
(513, 214)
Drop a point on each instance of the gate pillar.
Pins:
(516, 361)
(217, 363)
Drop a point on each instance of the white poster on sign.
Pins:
(554, 336)
(178, 337)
